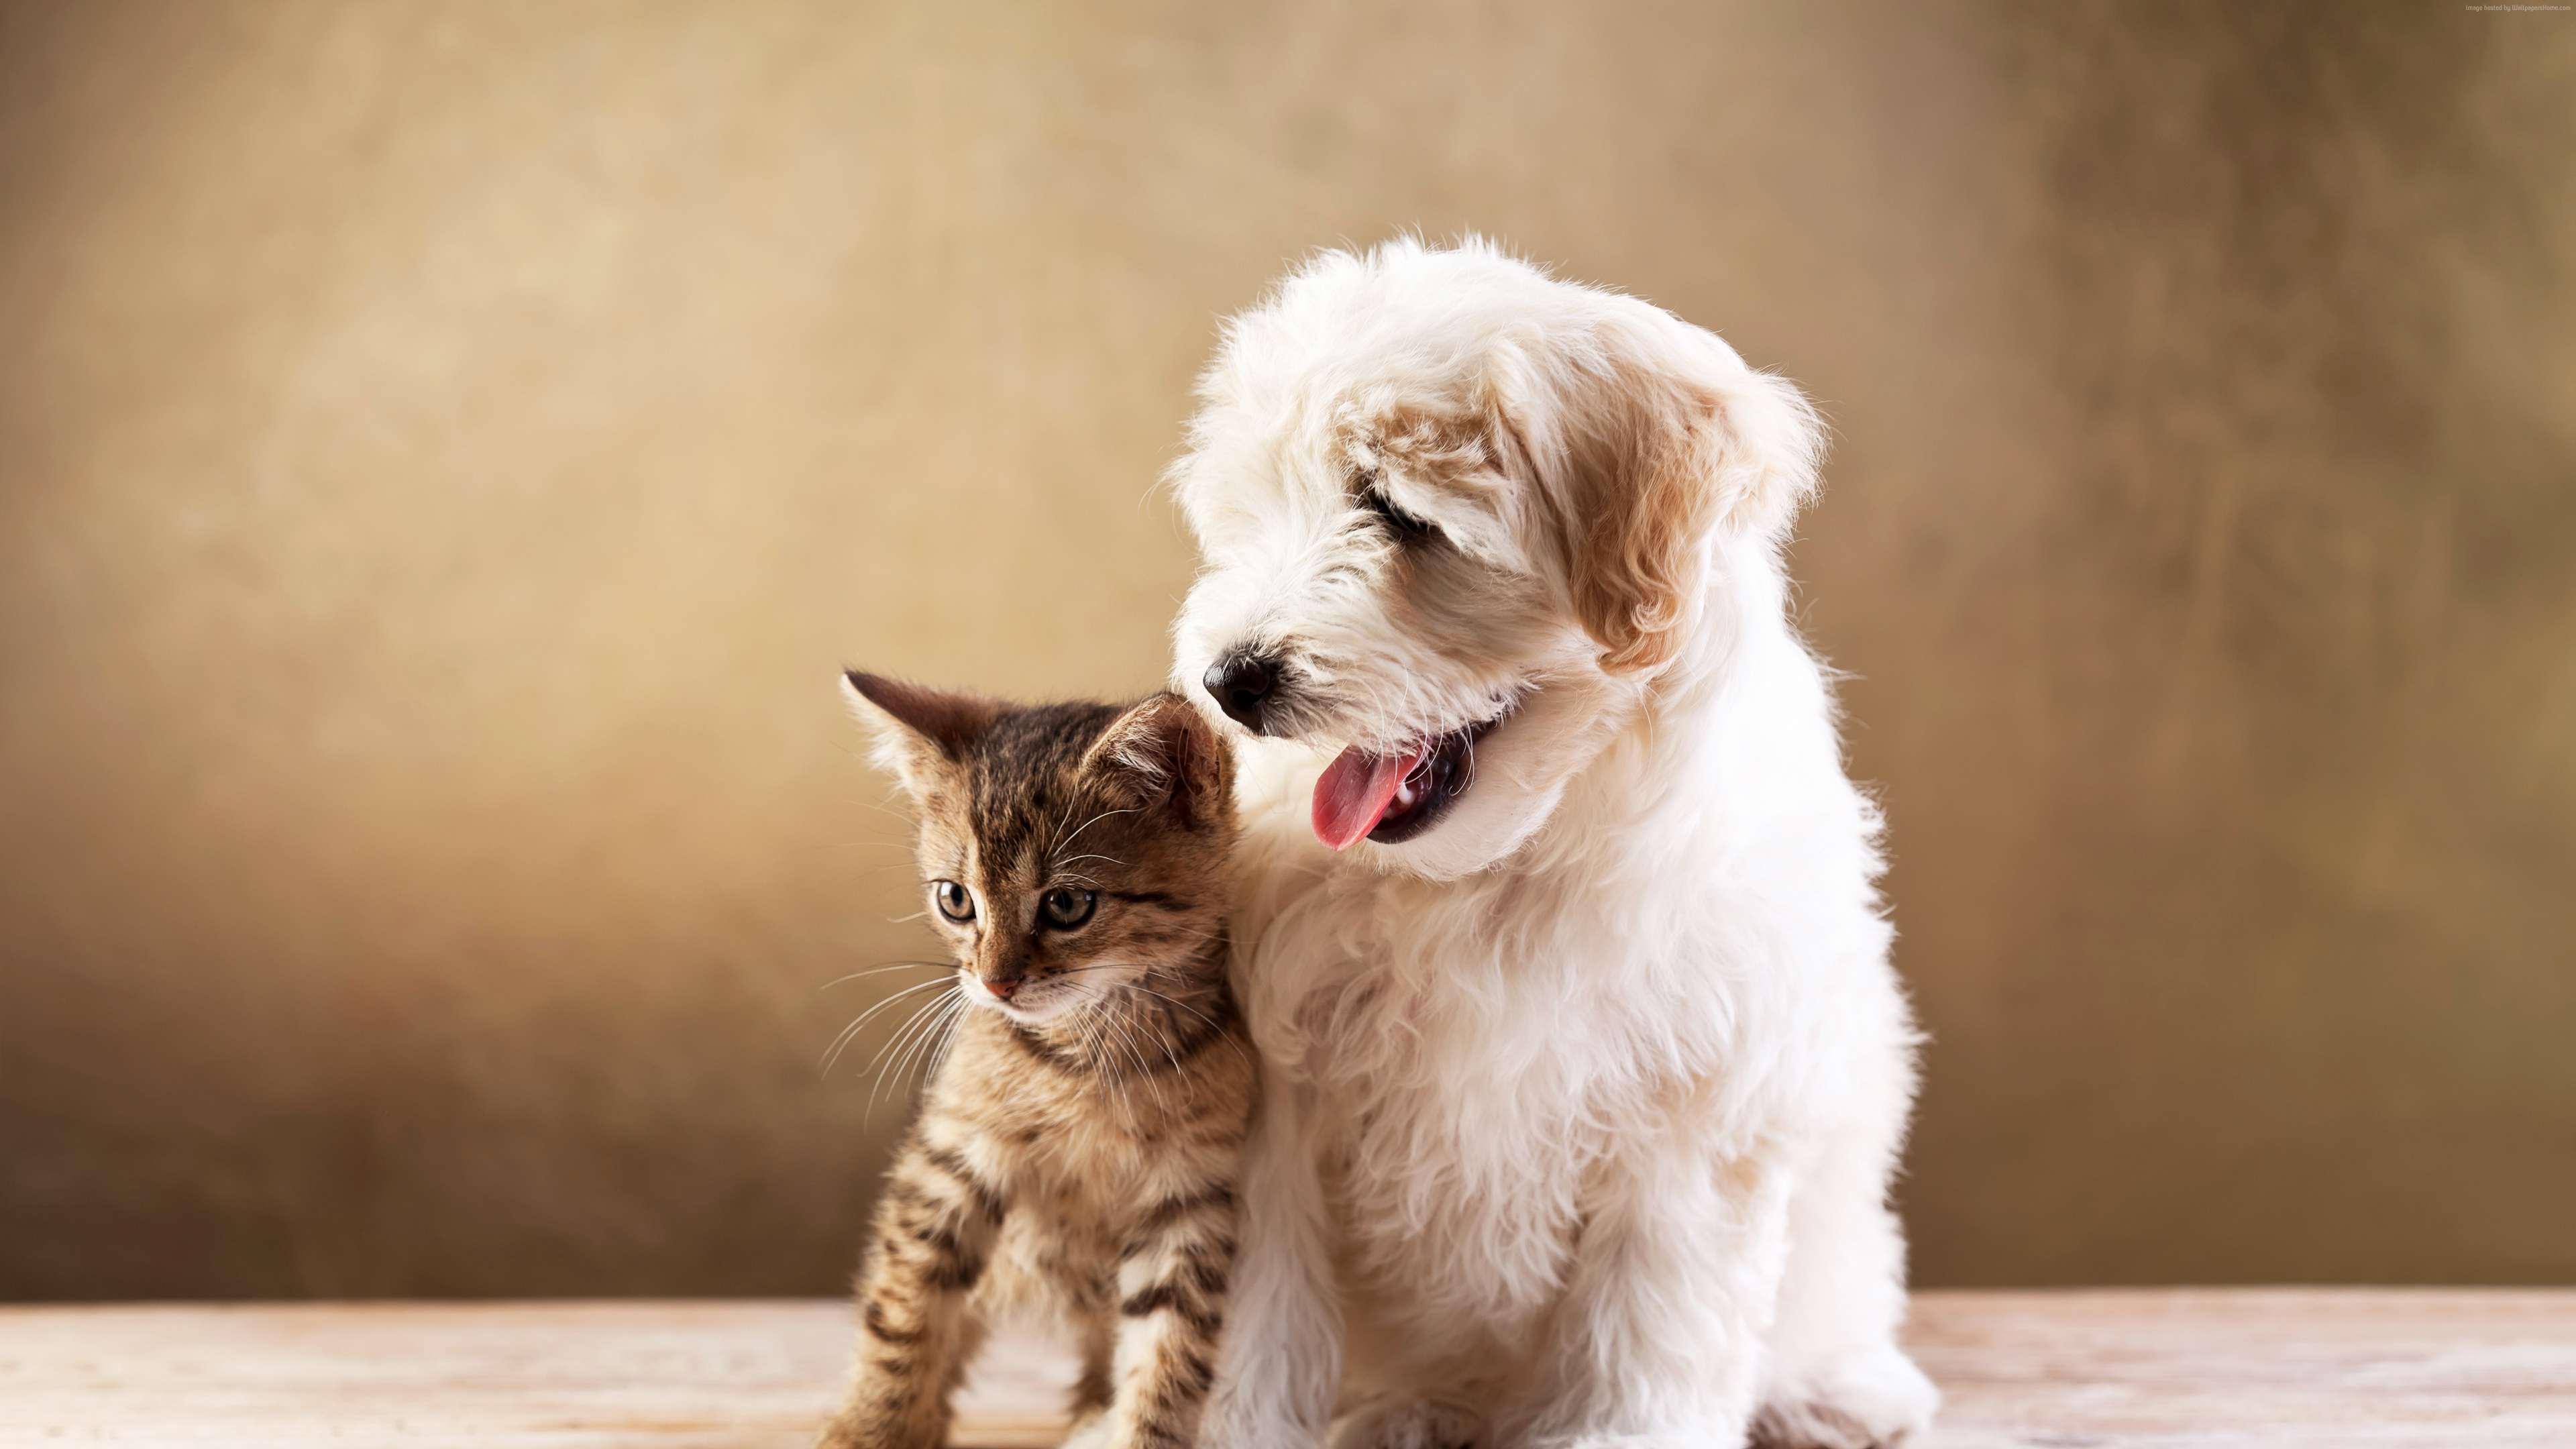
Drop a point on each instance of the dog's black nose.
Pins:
(1241, 684)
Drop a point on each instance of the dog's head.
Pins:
(1458, 520)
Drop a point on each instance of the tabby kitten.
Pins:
(1077, 1144)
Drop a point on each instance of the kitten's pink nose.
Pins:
(1002, 987)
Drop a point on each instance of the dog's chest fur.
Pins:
(1485, 1059)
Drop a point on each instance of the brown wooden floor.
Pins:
(2112, 1370)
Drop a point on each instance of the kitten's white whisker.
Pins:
(1212, 1023)
(891, 1056)
(892, 999)
(880, 1059)
(1061, 816)
(1201, 937)
(887, 1050)
(840, 1042)
(935, 1042)
(883, 968)
(1067, 842)
(936, 1039)
(884, 810)
(903, 1065)
(1164, 1040)
(1135, 1053)
(947, 1039)
(1107, 1065)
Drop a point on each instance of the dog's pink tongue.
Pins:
(1352, 795)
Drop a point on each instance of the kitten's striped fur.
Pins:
(1076, 1150)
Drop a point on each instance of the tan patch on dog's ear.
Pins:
(1642, 502)
(1163, 751)
(1659, 462)
(919, 733)
(1433, 446)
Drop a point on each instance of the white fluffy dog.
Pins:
(1586, 1067)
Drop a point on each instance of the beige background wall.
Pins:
(446, 450)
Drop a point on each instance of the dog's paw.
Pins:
(1399, 1423)
(1873, 1399)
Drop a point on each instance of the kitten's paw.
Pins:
(850, 1431)
(1398, 1423)
(1090, 1430)
(1871, 1399)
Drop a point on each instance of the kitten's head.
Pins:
(1067, 850)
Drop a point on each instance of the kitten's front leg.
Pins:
(934, 1231)
(1172, 1278)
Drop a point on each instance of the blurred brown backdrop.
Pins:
(446, 450)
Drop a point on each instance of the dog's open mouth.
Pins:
(1391, 798)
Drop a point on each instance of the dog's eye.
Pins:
(1065, 908)
(1404, 525)
(954, 900)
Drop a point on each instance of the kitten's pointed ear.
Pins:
(1164, 752)
(919, 732)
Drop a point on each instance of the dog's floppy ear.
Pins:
(1666, 439)
(1162, 752)
(919, 733)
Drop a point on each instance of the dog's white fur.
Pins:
(1581, 1107)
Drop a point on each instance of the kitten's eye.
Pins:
(1404, 525)
(1066, 908)
(954, 900)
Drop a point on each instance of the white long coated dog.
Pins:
(1586, 1066)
